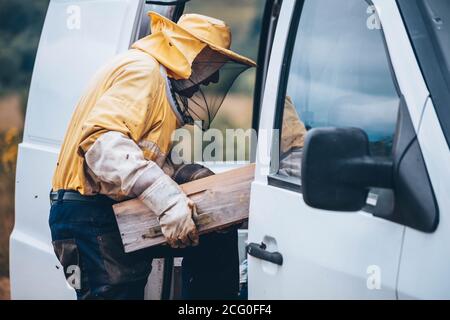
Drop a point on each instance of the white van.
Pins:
(362, 214)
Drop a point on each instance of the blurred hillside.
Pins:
(244, 18)
(20, 27)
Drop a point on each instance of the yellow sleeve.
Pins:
(124, 107)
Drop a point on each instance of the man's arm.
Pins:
(116, 159)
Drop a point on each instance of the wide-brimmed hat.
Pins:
(213, 32)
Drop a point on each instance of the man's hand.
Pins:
(178, 226)
(174, 210)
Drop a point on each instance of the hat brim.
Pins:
(224, 51)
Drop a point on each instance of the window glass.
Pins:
(339, 77)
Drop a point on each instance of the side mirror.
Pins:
(338, 171)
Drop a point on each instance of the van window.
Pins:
(339, 76)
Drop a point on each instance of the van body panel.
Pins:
(326, 255)
(425, 257)
(77, 38)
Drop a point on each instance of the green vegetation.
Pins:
(8, 155)
(20, 27)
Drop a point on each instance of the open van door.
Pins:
(78, 37)
(330, 67)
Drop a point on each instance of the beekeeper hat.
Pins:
(213, 32)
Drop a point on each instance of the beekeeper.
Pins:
(118, 140)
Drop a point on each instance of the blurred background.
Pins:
(20, 27)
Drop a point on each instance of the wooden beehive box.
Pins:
(222, 200)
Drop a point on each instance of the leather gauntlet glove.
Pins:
(174, 210)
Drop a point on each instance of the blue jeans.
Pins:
(87, 242)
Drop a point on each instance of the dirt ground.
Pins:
(4, 289)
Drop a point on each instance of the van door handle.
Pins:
(259, 251)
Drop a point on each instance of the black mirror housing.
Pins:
(338, 171)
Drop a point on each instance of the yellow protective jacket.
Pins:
(127, 96)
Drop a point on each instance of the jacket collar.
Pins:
(169, 94)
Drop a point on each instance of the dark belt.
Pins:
(69, 195)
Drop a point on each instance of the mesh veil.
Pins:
(200, 97)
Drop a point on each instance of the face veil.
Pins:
(200, 97)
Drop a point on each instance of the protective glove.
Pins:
(175, 212)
